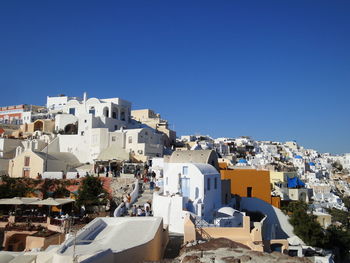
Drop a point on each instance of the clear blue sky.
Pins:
(274, 70)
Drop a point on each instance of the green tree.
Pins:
(307, 228)
(346, 201)
(305, 225)
(91, 192)
(12, 187)
(337, 238)
(61, 192)
(340, 216)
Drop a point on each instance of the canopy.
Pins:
(53, 202)
(113, 153)
(227, 210)
(295, 182)
(18, 201)
(24, 259)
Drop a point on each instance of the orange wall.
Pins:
(259, 180)
(276, 201)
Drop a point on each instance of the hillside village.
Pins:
(92, 180)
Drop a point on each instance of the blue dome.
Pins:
(298, 157)
(242, 161)
(312, 163)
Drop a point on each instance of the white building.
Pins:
(102, 125)
(191, 187)
(55, 104)
(111, 113)
(104, 240)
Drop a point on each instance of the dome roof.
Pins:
(298, 157)
(312, 163)
(242, 161)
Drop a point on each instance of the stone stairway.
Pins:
(146, 194)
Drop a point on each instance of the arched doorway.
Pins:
(276, 247)
(106, 112)
(38, 125)
(115, 113)
(122, 116)
(71, 129)
(302, 197)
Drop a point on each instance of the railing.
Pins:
(4, 219)
(21, 219)
(199, 224)
(203, 233)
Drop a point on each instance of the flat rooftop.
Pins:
(115, 233)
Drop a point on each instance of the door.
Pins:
(185, 187)
(26, 173)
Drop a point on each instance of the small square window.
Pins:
(208, 184)
(185, 170)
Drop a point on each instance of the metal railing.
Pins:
(199, 223)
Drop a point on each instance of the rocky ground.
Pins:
(120, 187)
(222, 250)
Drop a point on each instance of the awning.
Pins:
(53, 202)
(228, 211)
(18, 201)
(113, 153)
(24, 259)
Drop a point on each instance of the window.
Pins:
(208, 184)
(92, 110)
(106, 112)
(82, 133)
(122, 116)
(72, 111)
(113, 138)
(26, 161)
(185, 170)
(85, 121)
(115, 127)
(130, 139)
(215, 183)
(185, 186)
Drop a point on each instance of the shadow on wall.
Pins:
(276, 225)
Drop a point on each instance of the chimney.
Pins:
(85, 97)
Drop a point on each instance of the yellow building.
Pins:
(281, 177)
(30, 164)
(39, 125)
